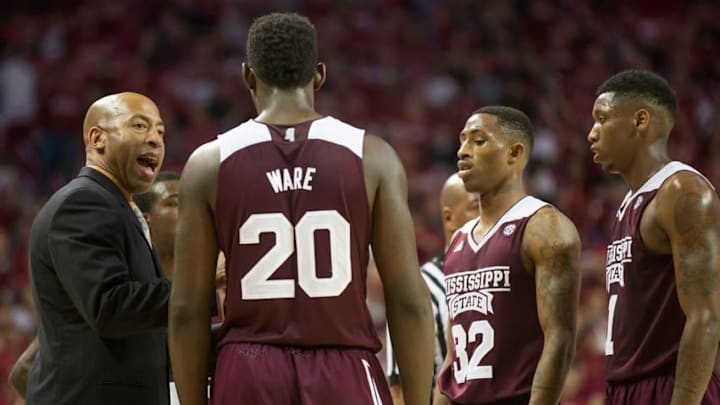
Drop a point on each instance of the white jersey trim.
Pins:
(524, 208)
(335, 131)
(246, 134)
(656, 181)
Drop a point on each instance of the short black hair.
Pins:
(644, 85)
(145, 201)
(282, 50)
(512, 120)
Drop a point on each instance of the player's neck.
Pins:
(285, 107)
(644, 167)
(497, 202)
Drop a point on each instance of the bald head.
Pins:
(457, 206)
(452, 191)
(104, 110)
(123, 135)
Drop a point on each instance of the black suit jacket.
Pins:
(101, 299)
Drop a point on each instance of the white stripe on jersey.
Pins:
(332, 130)
(435, 279)
(246, 134)
(328, 129)
(656, 181)
(523, 208)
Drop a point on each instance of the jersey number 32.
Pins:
(469, 368)
(256, 284)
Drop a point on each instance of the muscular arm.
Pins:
(19, 373)
(552, 244)
(407, 298)
(689, 212)
(196, 251)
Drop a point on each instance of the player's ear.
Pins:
(641, 119)
(319, 77)
(249, 77)
(516, 152)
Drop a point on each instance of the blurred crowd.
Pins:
(410, 71)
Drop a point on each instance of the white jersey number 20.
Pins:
(470, 369)
(256, 284)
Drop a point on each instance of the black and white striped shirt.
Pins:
(433, 276)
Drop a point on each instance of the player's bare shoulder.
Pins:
(381, 165)
(685, 198)
(550, 235)
(687, 207)
(199, 177)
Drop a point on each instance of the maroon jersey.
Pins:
(645, 320)
(493, 314)
(293, 220)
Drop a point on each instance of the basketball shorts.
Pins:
(655, 391)
(520, 400)
(257, 374)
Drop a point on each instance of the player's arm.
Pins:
(689, 212)
(19, 374)
(393, 375)
(438, 397)
(407, 298)
(552, 245)
(196, 251)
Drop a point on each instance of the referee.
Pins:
(457, 207)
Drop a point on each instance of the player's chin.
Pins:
(472, 185)
(607, 166)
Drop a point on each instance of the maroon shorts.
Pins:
(655, 391)
(249, 373)
(520, 400)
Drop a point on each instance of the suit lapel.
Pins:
(129, 214)
(156, 260)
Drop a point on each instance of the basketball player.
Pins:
(295, 199)
(663, 264)
(457, 206)
(159, 206)
(511, 276)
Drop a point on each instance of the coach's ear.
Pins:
(249, 77)
(320, 75)
(95, 139)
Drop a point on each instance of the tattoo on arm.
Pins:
(692, 225)
(694, 253)
(555, 252)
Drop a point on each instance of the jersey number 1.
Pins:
(609, 344)
(256, 284)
